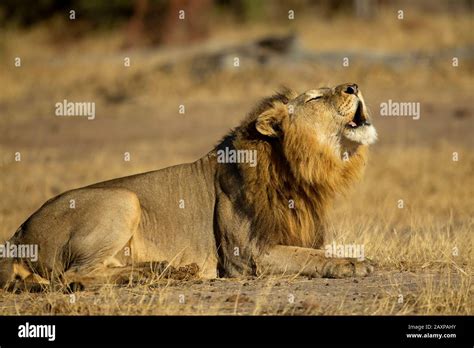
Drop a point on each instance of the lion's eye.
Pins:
(314, 98)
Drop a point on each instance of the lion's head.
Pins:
(335, 115)
(309, 147)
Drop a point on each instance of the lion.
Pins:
(254, 205)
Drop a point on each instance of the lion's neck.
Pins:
(290, 190)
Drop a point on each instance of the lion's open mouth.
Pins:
(359, 118)
(359, 129)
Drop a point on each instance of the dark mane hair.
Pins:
(293, 169)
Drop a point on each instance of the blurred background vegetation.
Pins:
(153, 22)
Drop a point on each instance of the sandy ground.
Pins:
(385, 292)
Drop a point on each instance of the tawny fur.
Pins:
(301, 169)
(310, 148)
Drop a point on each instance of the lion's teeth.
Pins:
(352, 124)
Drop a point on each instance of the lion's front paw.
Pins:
(341, 268)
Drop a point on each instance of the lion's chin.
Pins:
(364, 135)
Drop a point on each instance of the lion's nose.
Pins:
(351, 89)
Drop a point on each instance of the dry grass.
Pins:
(413, 247)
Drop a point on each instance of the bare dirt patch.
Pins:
(383, 293)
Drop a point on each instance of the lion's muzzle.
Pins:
(360, 118)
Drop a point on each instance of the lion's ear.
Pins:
(268, 122)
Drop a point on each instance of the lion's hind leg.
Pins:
(87, 237)
(129, 275)
(23, 279)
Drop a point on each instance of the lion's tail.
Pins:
(6, 271)
(7, 263)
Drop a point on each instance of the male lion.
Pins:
(219, 219)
